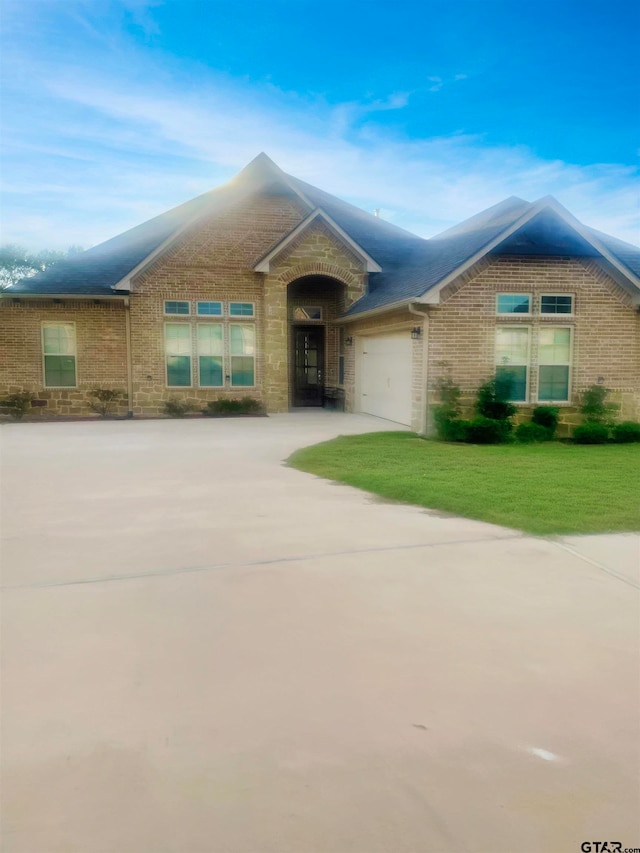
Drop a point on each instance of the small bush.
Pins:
(483, 430)
(530, 432)
(244, 406)
(104, 399)
(457, 430)
(546, 416)
(177, 408)
(493, 398)
(446, 414)
(626, 432)
(17, 404)
(591, 433)
(594, 407)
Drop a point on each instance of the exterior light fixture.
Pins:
(416, 333)
(349, 340)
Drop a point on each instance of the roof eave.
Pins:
(372, 312)
(432, 296)
(106, 297)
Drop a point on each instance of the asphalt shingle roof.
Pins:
(411, 265)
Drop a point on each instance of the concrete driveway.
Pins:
(207, 652)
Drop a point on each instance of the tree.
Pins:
(16, 262)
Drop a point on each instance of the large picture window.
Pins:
(210, 355)
(554, 362)
(512, 358)
(177, 347)
(242, 347)
(59, 355)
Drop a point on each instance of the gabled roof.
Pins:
(264, 264)
(443, 258)
(111, 264)
(411, 268)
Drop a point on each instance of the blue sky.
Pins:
(116, 110)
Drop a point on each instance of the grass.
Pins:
(539, 488)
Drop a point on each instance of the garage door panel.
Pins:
(385, 365)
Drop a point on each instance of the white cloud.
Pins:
(97, 152)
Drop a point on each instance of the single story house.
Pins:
(271, 288)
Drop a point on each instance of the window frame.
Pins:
(222, 355)
(547, 314)
(526, 364)
(254, 356)
(528, 313)
(241, 317)
(183, 301)
(569, 364)
(320, 319)
(200, 316)
(71, 323)
(189, 326)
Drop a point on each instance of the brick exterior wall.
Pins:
(100, 344)
(606, 329)
(214, 260)
(385, 324)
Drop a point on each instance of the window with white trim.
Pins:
(554, 364)
(552, 304)
(513, 346)
(210, 355)
(209, 309)
(177, 348)
(241, 309)
(174, 306)
(242, 346)
(59, 355)
(513, 303)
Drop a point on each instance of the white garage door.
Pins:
(385, 377)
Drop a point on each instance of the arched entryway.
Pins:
(314, 302)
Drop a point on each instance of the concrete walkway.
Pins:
(207, 652)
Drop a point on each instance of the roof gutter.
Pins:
(373, 312)
(91, 297)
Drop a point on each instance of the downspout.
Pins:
(127, 321)
(424, 315)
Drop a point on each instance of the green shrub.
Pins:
(594, 407)
(244, 406)
(591, 433)
(456, 430)
(447, 413)
(546, 416)
(483, 430)
(529, 432)
(104, 400)
(492, 399)
(626, 432)
(17, 404)
(177, 408)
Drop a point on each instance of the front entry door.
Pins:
(308, 383)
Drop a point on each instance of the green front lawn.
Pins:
(539, 488)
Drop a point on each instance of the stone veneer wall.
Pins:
(316, 251)
(101, 360)
(606, 340)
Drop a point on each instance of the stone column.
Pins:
(276, 345)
